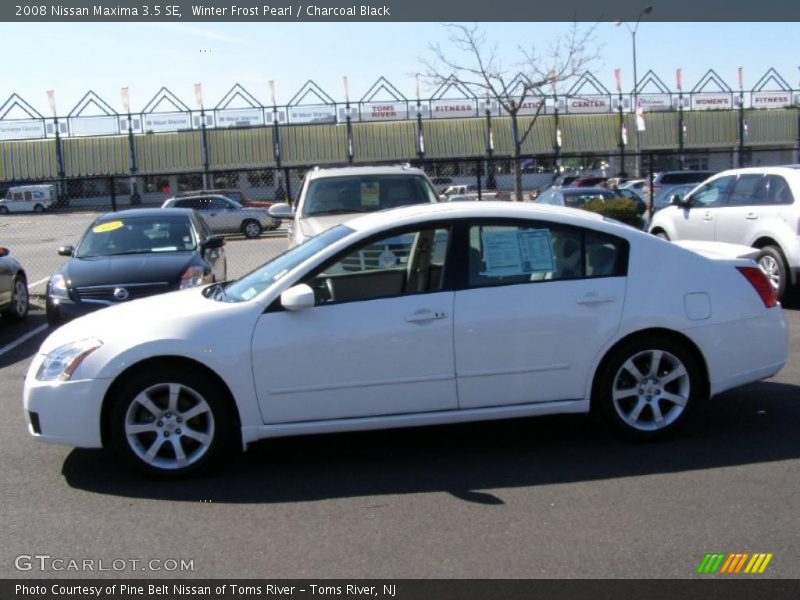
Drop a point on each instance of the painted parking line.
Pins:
(23, 339)
(35, 283)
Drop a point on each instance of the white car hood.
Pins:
(170, 315)
(315, 225)
(719, 250)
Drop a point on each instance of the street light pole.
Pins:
(645, 11)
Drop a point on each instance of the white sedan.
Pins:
(422, 315)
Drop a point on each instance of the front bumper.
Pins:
(67, 412)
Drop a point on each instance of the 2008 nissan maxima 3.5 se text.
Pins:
(420, 315)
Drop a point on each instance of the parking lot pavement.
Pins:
(549, 497)
(34, 241)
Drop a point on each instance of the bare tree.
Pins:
(483, 73)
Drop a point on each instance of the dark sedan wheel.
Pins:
(771, 262)
(18, 308)
(648, 387)
(251, 229)
(170, 422)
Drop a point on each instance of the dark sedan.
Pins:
(576, 197)
(132, 254)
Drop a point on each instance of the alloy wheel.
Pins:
(771, 269)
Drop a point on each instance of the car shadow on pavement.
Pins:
(754, 424)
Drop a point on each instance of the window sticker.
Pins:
(387, 259)
(523, 252)
(370, 193)
(106, 227)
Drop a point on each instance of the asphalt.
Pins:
(550, 497)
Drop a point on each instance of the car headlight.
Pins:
(61, 363)
(192, 277)
(58, 286)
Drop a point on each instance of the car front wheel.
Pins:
(648, 387)
(170, 422)
(38, 208)
(251, 229)
(771, 262)
(18, 309)
(3, 210)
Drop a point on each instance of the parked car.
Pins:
(668, 179)
(13, 287)
(29, 198)
(667, 196)
(757, 207)
(234, 194)
(329, 197)
(223, 215)
(589, 181)
(441, 183)
(577, 197)
(635, 185)
(132, 254)
(496, 311)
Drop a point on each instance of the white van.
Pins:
(29, 198)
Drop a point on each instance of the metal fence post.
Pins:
(478, 171)
(651, 180)
(113, 194)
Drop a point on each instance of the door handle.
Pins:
(751, 216)
(425, 315)
(708, 216)
(592, 299)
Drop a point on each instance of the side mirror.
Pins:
(4, 252)
(299, 297)
(281, 211)
(215, 241)
(66, 251)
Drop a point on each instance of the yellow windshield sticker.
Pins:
(370, 193)
(106, 227)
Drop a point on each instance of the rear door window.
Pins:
(747, 190)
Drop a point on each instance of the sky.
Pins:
(73, 58)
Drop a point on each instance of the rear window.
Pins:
(365, 193)
(685, 177)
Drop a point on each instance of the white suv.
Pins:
(757, 207)
(330, 197)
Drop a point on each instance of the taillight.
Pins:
(761, 284)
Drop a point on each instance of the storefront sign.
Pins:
(322, 113)
(166, 121)
(711, 101)
(240, 117)
(449, 109)
(93, 126)
(655, 102)
(384, 111)
(771, 99)
(591, 104)
(21, 130)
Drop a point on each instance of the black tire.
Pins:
(20, 301)
(771, 261)
(634, 415)
(53, 314)
(216, 422)
(3, 210)
(252, 229)
(662, 234)
(38, 208)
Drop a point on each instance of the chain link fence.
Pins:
(67, 207)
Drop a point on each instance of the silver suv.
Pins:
(757, 207)
(329, 197)
(224, 215)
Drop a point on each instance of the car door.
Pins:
(379, 340)
(6, 280)
(697, 219)
(226, 214)
(736, 218)
(540, 302)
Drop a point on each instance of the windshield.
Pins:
(365, 193)
(255, 282)
(138, 235)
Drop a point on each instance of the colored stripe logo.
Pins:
(734, 563)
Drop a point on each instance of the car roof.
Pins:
(355, 171)
(198, 196)
(146, 212)
(576, 191)
(779, 170)
(466, 210)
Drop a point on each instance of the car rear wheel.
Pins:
(648, 387)
(251, 229)
(18, 309)
(38, 208)
(170, 422)
(771, 262)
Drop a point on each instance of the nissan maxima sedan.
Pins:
(132, 254)
(491, 311)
